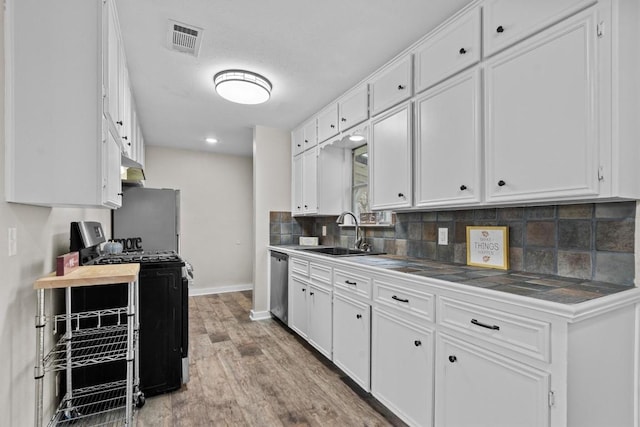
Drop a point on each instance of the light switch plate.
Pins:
(443, 236)
(12, 240)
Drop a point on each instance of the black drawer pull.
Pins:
(399, 299)
(417, 343)
(310, 293)
(358, 316)
(350, 283)
(452, 359)
(484, 325)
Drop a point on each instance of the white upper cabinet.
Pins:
(297, 179)
(508, 21)
(390, 156)
(392, 85)
(57, 147)
(448, 148)
(297, 141)
(353, 108)
(113, 65)
(310, 137)
(310, 181)
(451, 48)
(328, 123)
(541, 123)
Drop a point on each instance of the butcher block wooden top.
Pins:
(90, 275)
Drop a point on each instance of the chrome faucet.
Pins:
(340, 220)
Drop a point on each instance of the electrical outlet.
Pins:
(324, 230)
(443, 236)
(12, 240)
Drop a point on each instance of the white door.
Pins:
(448, 143)
(111, 161)
(298, 318)
(310, 181)
(320, 321)
(351, 339)
(297, 179)
(402, 368)
(478, 388)
(390, 156)
(541, 122)
(353, 108)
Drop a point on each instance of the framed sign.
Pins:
(488, 247)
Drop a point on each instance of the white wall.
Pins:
(43, 233)
(215, 213)
(271, 192)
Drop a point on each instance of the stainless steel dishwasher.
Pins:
(279, 301)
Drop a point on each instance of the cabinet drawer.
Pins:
(299, 266)
(391, 87)
(508, 21)
(405, 300)
(452, 48)
(353, 283)
(320, 273)
(518, 333)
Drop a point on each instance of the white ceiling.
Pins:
(310, 50)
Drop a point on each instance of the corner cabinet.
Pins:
(390, 156)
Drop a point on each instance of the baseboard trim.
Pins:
(260, 315)
(220, 289)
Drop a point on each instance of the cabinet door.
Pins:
(390, 156)
(328, 123)
(320, 321)
(475, 387)
(508, 21)
(309, 133)
(392, 86)
(111, 182)
(296, 184)
(298, 318)
(448, 143)
(450, 49)
(126, 114)
(297, 141)
(351, 338)
(310, 181)
(402, 368)
(353, 108)
(541, 123)
(113, 64)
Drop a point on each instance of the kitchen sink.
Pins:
(340, 251)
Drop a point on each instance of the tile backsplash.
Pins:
(585, 241)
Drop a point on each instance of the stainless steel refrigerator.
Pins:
(151, 214)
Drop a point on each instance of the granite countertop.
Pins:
(563, 290)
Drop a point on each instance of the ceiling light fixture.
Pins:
(211, 140)
(356, 137)
(242, 87)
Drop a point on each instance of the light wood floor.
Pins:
(246, 373)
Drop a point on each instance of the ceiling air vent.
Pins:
(184, 38)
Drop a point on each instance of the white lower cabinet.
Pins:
(476, 387)
(298, 305)
(319, 331)
(402, 367)
(352, 338)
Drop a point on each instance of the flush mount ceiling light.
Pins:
(242, 87)
(211, 140)
(356, 137)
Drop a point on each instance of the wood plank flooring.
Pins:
(246, 373)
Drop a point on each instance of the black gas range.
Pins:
(163, 300)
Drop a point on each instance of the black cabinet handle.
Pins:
(298, 145)
(343, 119)
(129, 144)
(304, 289)
(358, 316)
(120, 194)
(306, 206)
(298, 207)
(125, 138)
(350, 283)
(310, 293)
(462, 51)
(401, 87)
(463, 187)
(417, 343)
(306, 140)
(484, 325)
(333, 126)
(399, 299)
(119, 122)
(500, 29)
(501, 183)
(452, 359)
(401, 195)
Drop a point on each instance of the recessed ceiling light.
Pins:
(242, 87)
(211, 140)
(356, 137)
